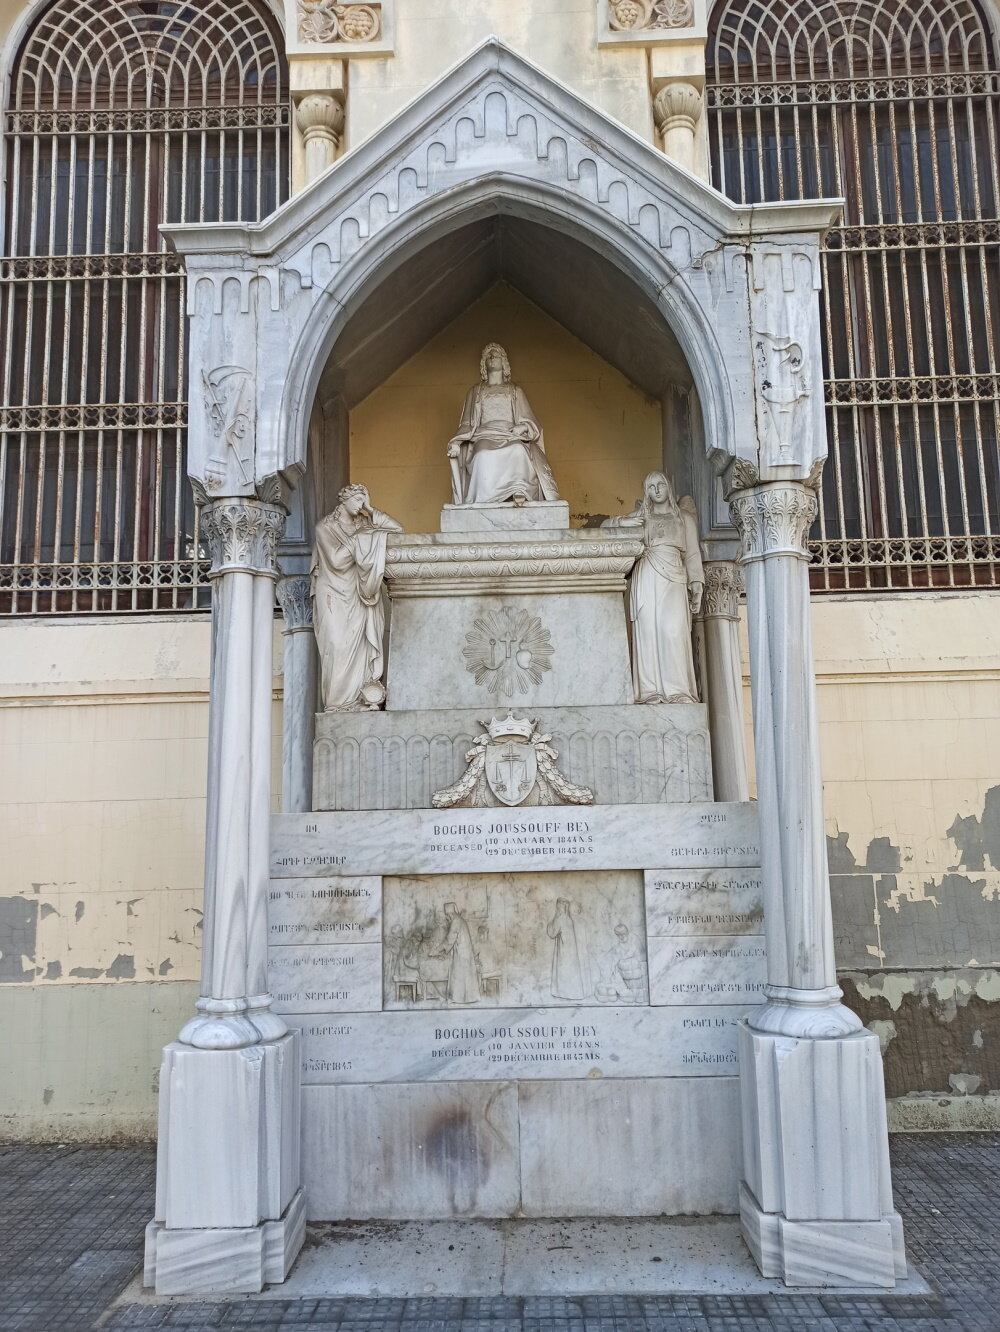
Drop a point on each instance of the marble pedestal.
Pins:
(230, 1215)
(816, 1199)
(520, 617)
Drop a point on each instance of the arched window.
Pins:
(122, 116)
(892, 105)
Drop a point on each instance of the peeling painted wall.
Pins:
(103, 747)
(910, 714)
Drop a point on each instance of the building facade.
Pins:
(123, 118)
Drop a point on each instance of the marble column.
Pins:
(677, 108)
(723, 678)
(229, 1210)
(816, 1201)
(301, 670)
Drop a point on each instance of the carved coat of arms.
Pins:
(512, 765)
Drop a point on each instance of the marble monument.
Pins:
(658, 1026)
(517, 873)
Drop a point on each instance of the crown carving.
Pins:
(510, 727)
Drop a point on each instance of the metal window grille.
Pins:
(122, 116)
(892, 104)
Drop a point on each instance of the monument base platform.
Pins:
(238, 1260)
(564, 1258)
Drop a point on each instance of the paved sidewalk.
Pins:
(71, 1223)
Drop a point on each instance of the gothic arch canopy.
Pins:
(738, 286)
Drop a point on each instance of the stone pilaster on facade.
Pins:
(816, 1201)
(723, 678)
(677, 109)
(319, 117)
(229, 1211)
(299, 693)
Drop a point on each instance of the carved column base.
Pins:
(808, 1014)
(230, 1215)
(816, 1198)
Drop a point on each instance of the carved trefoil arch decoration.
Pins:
(496, 133)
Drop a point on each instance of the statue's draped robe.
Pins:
(567, 974)
(660, 608)
(347, 570)
(495, 464)
(463, 975)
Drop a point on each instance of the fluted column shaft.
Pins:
(242, 535)
(723, 684)
(803, 996)
(299, 695)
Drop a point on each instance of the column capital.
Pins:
(774, 519)
(295, 600)
(677, 105)
(242, 535)
(320, 115)
(723, 588)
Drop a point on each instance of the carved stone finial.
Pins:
(677, 105)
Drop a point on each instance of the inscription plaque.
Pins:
(334, 910)
(326, 978)
(707, 902)
(520, 1043)
(420, 841)
(711, 969)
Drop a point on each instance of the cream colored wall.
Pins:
(602, 435)
(909, 698)
(103, 747)
(558, 35)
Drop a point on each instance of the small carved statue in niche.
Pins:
(664, 593)
(348, 567)
(498, 455)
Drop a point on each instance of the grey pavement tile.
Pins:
(72, 1229)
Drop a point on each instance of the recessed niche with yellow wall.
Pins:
(602, 434)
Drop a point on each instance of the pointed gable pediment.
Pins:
(495, 133)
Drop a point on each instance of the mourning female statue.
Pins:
(347, 571)
(498, 454)
(664, 593)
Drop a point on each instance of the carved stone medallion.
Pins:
(508, 651)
